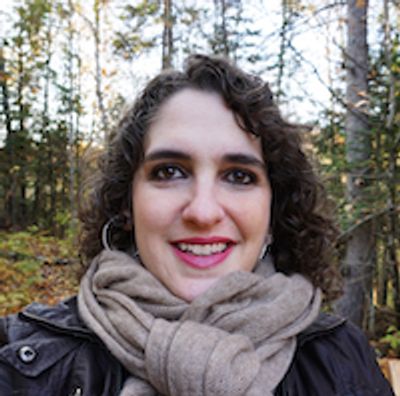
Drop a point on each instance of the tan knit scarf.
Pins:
(238, 338)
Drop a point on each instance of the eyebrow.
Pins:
(239, 158)
(244, 159)
(166, 154)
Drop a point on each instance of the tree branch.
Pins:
(347, 233)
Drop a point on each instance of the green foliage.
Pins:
(29, 269)
(34, 243)
(41, 139)
(137, 36)
(63, 218)
(392, 338)
(234, 33)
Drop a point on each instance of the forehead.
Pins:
(193, 120)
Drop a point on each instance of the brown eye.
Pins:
(167, 172)
(240, 177)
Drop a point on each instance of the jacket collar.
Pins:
(324, 324)
(64, 318)
(61, 318)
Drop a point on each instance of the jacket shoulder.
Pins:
(48, 349)
(334, 358)
(62, 318)
(29, 335)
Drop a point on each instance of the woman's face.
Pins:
(201, 198)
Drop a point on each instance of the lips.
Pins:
(203, 253)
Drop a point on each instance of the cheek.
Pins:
(254, 214)
(152, 210)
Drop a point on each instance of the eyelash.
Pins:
(170, 172)
(247, 177)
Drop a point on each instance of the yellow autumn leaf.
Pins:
(339, 139)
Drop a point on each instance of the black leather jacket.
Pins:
(47, 351)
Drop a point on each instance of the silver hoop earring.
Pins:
(266, 249)
(104, 233)
(263, 251)
(107, 241)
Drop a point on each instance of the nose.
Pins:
(203, 208)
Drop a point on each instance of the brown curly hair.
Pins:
(302, 229)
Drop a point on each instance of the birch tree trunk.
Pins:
(358, 261)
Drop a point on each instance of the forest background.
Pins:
(69, 67)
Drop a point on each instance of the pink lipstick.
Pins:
(192, 251)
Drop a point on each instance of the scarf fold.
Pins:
(238, 338)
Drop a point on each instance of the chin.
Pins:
(192, 290)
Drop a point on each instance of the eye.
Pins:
(167, 172)
(241, 177)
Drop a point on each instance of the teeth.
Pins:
(203, 250)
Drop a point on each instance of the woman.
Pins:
(207, 247)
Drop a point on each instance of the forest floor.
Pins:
(35, 267)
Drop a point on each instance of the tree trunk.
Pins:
(225, 44)
(283, 47)
(4, 89)
(75, 172)
(38, 204)
(19, 149)
(393, 158)
(220, 43)
(9, 150)
(71, 128)
(359, 249)
(167, 46)
(99, 80)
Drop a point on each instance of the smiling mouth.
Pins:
(202, 249)
(203, 253)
